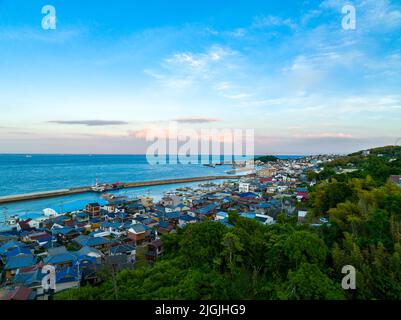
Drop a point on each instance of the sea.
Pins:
(22, 173)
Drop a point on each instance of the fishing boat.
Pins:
(113, 197)
(106, 186)
(98, 187)
(212, 165)
(207, 184)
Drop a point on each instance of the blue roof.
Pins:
(111, 215)
(222, 214)
(67, 275)
(28, 279)
(248, 195)
(163, 224)
(20, 261)
(81, 215)
(275, 202)
(87, 250)
(76, 205)
(63, 231)
(187, 218)
(249, 215)
(207, 209)
(135, 206)
(10, 245)
(138, 228)
(106, 224)
(60, 258)
(172, 215)
(121, 215)
(17, 251)
(91, 241)
(121, 249)
(263, 204)
(147, 221)
(224, 221)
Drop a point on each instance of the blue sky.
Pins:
(111, 71)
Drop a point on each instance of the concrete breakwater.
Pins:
(63, 192)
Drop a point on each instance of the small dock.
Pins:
(64, 192)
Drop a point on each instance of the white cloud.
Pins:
(272, 21)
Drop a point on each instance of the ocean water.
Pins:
(21, 174)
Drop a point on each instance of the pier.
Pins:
(64, 192)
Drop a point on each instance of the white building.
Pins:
(243, 187)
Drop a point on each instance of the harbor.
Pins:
(72, 191)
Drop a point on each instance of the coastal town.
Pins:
(123, 232)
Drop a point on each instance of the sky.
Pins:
(113, 70)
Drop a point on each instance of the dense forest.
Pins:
(286, 260)
(266, 159)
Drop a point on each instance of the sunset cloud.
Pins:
(90, 123)
(196, 120)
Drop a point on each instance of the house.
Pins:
(117, 262)
(65, 234)
(16, 252)
(137, 233)
(154, 250)
(266, 173)
(221, 215)
(20, 294)
(180, 207)
(396, 180)
(186, 219)
(41, 237)
(172, 217)
(100, 233)
(206, 211)
(264, 219)
(67, 278)
(93, 209)
(100, 243)
(302, 195)
(61, 260)
(166, 201)
(91, 252)
(17, 262)
(30, 278)
(12, 244)
(124, 249)
(81, 217)
(93, 224)
(147, 202)
(23, 225)
(164, 227)
(134, 208)
(248, 195)
(117, 229)
(302, 215)
(243, 187)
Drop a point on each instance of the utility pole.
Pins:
(79, 275)
(113, 271)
